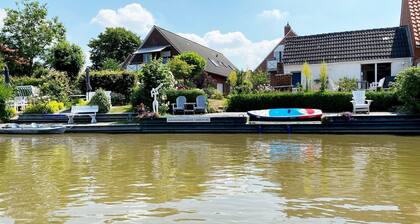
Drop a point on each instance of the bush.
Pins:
(6, 93)
(408, 89)
(138, 96)
(213, 93)
(118, 99)
(326, 101)
(117, 81)
(39, 108)
(190, 94)
(347, 84)
(101, 100)
(27, 81)
(57, 86)
(44, 108)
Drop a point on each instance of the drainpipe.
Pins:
(376, 75)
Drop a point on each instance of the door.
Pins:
(220, 87)
(296, 78)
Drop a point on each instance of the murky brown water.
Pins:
(209, 179)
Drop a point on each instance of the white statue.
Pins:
(155, 93)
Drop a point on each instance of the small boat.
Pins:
(31, 129)
(286, 114)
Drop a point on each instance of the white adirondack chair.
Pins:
(201, 104)
(360, 104)
(179, 105)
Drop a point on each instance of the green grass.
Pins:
(121, 109)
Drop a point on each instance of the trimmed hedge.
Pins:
(122, 82)
(327, 101)
(27, 81)
(190, 94)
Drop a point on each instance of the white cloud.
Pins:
(273, 14)
(3, 15)
(243, 53)
(132, 16)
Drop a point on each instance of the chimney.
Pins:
(287, 29)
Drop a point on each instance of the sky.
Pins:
(245, 31)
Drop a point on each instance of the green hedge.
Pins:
(328, 101)
(27, 81)
(190, 94)
(122, 82)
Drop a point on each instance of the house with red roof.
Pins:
(410, 17)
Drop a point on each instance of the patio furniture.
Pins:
(83, 111)
(179, 106)
(201, 104)
(19, 102)
(360, 104)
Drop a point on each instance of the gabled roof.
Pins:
(411, 9)
(358, 45)
(217, 63)
(291, 33)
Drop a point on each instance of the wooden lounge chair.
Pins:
(201, 104)
(179, 106)
(360, 104)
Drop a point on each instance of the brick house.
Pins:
(410, 17)
(365, 55)
(161, 43)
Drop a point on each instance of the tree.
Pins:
(111, 64)
(154, 73)
(323, 77)
(259, 80)
(199, 63)
(306, 70)
(28, 30)
(408, 89)
(181, 69)
(66, 57)
(240, 81)
(114, 43)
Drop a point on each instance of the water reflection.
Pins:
(209, 178)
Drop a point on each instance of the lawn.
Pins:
(121, 109)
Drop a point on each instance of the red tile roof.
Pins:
(414, 15)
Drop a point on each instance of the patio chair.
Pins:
(179, 106)
(201, 105)
(360, 104)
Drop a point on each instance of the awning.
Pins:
(151, 49)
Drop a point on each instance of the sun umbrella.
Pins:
(6, 75)
(88, 86)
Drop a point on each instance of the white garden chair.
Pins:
(360, 104)
(180, 104)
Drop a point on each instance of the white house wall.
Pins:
(340, 70)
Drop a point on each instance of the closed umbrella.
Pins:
(88, 86)
(6, 75)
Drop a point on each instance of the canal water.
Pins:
(209, 179)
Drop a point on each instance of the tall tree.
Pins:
(28, 30)
(306, 70)
(114, 43)
(323, 77)
(66, 57)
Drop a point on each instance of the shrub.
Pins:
(326, 101)
(347, 84)
(39, 108)
(27, 81)
(190, 94)
(6, 93)
(57, 86)
(117, 81)
(138, 96)
(118, 99)
(44, 107)
(408, 89)
(153, 74)
(101, 100)
(213, 93)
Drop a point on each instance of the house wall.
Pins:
(340, 70)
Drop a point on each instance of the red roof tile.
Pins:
(414, 11)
